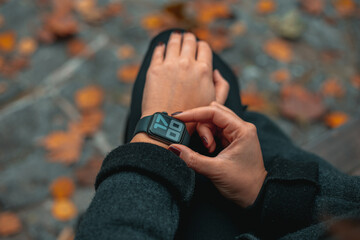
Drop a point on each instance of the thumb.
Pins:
(200, 163)
(221, 87)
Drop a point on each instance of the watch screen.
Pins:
(167, 128)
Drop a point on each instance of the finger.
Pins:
(174, 45)
(189, 45)
(158, 54)
(206, 133)
(204, 165)
(204, 53)
(221, 87)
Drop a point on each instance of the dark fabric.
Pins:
(144, 191)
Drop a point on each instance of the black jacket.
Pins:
(145, 192)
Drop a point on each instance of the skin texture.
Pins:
(238, 171)
(180, 77)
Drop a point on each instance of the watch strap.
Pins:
(143, 124)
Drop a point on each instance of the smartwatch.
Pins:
(162, 127)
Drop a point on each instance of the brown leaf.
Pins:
(355, 81)
(27, 46)
(336, 119)
(62, 187)
(126, 51)
(3, 87)
(281, 76)
(62, 25)
(44, 35)
(254, 100)
(128, 73)
(238, 29)
(90, 122)
(299, 104)
(77, 47)
(210, 11)
(332, 88)
(217, 40)
(315, 7)
(2, 20)
(89, 97)
(10, 224)
(64, 210)
(265, 6)
(7, 41)
(86, 175)
(113, 9)
(66, 234)
(152, 22)
(279, 50)
(345, 7)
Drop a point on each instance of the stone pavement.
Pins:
(40, 99)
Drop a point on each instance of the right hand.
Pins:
(238, 171)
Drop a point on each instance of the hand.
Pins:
(238, 171)
(183, 79)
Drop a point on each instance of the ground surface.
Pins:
(39, 99)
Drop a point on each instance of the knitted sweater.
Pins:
(145, 192)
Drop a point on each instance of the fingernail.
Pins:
(160, 43)
(204, 141)
(176, 113)
(175, 150)
(177, 32)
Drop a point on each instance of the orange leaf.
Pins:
(280, 76)
(152, 22)
(336, 119)
(128, 73)
(208, 12)
(125, 51)
(89, 97)
(254, 101)
(113, 9)
(300, 104)
(76, 47)
(27, 46)
(345, 7)
(315, 7)
(332, 87)
(265, 6)
(7, 41)
(64, 210)
(355, 80)
(62, 25)
(279, 50)
(86, 174)
(9, 224)
(62, 187)
(238, 29)
(90, 122)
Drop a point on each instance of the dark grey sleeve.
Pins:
(139, 192)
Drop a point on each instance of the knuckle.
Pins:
(204, 68)
(203, 44)
(184, 62)
(214, 103)
(192, 160)
(251, 129)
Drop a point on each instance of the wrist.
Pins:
(143, 137)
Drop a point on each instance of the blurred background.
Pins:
(67, 68)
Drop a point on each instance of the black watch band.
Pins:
(146, 125)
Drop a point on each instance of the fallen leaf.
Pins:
(218, 40)
(84, 6)
(281, 76)
(62, 187)
(265, 6)
(315, 7)
(345, 7)
(86, 175)
(279, 50)
(27, 46)
(331, 87)
(62, 25)
(238, 28)
(210, 11)
(10, 224)
(7, 41)
(77, 47)
(113, 9)
(152, 22)
(254, 100)
(298, 103)
(336, 119)
(128, 73)
(2, 21)
(90, 122)
(89, 97)
(125, 51)
(45, 36)
(64, 210)
(355, 81)
(66, 234)
(3, 87)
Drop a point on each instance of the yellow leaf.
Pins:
(62, 187)
(64, 210)
(128, 73)
(89, 97)
(27, 46)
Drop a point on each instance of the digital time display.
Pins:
(170, 129)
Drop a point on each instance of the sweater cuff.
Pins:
(154, 162)
(286, 201)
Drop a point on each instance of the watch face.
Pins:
(166, 128)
